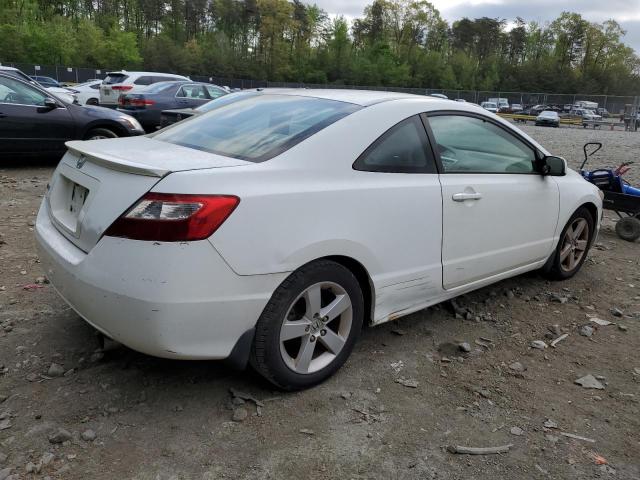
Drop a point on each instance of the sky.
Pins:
(626, 12)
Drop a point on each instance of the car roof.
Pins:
(363, 98)
(4, 67)
(127, 72)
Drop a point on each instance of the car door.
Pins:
(397, 177)
(26, 124)
(499, 213)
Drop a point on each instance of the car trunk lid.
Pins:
(96, 181)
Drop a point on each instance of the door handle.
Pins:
(464, 196)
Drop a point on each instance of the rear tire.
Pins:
(573, 247)
(628, 228)
(309, 327)
(100, 133)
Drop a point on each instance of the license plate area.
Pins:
(71, 192)
(79, 196)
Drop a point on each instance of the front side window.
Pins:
(473, 145)
(257, 127)
(13, 91)
(215, 92)
(402, 149)
(192, 91)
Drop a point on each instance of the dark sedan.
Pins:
(147, 105)
(35, 121)
(46, 81)
(548, 118)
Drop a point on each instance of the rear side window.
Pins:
(114, 78)
(145, 80)
(402, 149)
(257, 128)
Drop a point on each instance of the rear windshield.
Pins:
(114, 78)
(226, 100)
(259, 127)
(160, 86)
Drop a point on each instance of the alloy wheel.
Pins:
(574, 244)
(316, 327)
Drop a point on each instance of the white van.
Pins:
(117, 83)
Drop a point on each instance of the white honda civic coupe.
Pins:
(271, 228)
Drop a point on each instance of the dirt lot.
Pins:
(158, 419)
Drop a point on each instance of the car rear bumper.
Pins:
(172, 300)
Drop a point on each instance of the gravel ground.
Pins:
(618, 146)
(70, 411)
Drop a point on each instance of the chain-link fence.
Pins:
(613, 104)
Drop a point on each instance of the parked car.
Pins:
(169, 117)
(148, 105)
(33, 120)
(585, 114)
(535, 110)
(490, 106)
(46, 81)
(516, 108)
(60, 92)
(118, 83)
(87, 93)
(548, 118)
(603, 112)
(276, 226)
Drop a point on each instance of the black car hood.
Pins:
(100, 112)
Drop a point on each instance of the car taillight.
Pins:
(141, 102)
(122, 88)
(166, 217)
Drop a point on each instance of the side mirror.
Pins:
(50, 103)
(553, 166)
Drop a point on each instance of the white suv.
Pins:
(117, 83)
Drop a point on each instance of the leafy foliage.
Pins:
(395, 43)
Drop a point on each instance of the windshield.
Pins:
(257, 127)
(489, 105)
(548, 114)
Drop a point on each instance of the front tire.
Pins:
(100, 133)
(573, 246)
(309, 327)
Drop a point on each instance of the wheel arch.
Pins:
(593, 210)
(114, 126)
(364, 280)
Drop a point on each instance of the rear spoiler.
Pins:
(113, 162)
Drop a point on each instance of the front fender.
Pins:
(575, 192)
